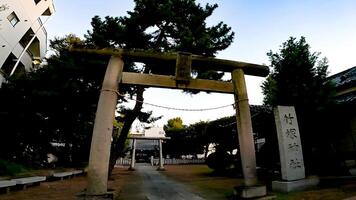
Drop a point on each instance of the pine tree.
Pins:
(160, 25)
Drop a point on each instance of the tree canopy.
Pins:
(299, 78)
(54, 104)
(58, 102)
(174, 124)
(163, 26)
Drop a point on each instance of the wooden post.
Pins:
(244, 127)
(160, 156)
(102, 133)
(132, 166)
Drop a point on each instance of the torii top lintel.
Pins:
(197, 61)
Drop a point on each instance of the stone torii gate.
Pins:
(160, 139)
(184, 62)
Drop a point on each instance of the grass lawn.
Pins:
(212, 186)
(203, 181)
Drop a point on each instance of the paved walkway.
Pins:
(149, 184)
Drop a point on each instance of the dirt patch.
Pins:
(201, 179)
(198, 177)
(66, 189)
(211, 186)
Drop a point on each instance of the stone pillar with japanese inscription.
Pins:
(290, 149)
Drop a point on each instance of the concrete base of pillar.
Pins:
(252, 192)
(131, 169)
(107, 196)
(161, 169)
(298, 185)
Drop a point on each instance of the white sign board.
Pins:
(290, 148)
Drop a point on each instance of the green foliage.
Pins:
(184, 140)
(219, 160)
(196, 138)
(9, 168)
(222, 133)
(163, 26)
(56, 103)
(175, 124)
(298, 79)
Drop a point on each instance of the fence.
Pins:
(170, 161)
(123, 161)
(173, 161)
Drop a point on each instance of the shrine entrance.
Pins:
(184, 63)
(133, 151)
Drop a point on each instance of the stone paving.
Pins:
(150, 184)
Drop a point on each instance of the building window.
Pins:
(13, 19)
(9, 63)
(37, 1)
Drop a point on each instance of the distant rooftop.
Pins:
(345, 83)
(344, 78)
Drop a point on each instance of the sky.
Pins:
(260, 26)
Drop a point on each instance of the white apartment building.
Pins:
(19, 21)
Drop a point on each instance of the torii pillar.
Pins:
(102, 133)
(251, 189)
(160, 167)
(133, 155)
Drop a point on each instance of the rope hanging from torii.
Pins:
(174, 108)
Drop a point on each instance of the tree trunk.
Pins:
(118, 145)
